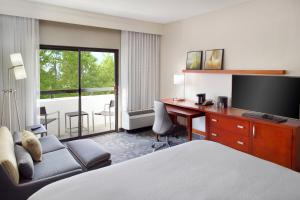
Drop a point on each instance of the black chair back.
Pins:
(111, 103)
(43, 111)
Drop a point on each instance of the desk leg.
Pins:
(189, 127)
(174, 119)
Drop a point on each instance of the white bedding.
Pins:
(194, 170)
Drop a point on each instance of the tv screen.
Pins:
(267, 94)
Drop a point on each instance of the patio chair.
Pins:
(70, 115)
(106, 112)
(45, 120)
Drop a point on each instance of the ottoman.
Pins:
(89, 153)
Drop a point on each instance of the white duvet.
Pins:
(194, 170)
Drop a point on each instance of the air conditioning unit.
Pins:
(137, 119)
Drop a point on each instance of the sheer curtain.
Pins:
(20, 35)
(140, 65)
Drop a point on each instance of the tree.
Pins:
(59, 70)
(50, 62)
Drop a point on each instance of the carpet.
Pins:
(124, 146)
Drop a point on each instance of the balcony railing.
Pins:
(84, 91)
(93, 100)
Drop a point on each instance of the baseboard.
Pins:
(133, 131)
(198, 132)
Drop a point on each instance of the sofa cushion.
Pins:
(55, 163)
(17, 137)
(50, 143)
(24, 161)
(88, 152)
(32, 144)
(7, 155)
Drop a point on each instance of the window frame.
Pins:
(116, 75)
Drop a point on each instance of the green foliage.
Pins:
(97, 75)
(59, 70)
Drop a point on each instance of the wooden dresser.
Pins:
(278, 143)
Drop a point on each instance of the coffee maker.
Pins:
(201, 99)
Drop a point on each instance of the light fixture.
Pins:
(18, 66)
(20, 73)
(178, 80)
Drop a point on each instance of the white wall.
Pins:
(259, 34)
(24, 8)
(55, 33)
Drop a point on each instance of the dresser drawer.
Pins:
(240, 143)
(231, 125)
(232, 140)
(217, 135)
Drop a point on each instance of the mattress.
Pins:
(194, 170)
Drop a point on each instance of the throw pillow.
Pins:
(7, 155)
(31, 143)
(25, 162)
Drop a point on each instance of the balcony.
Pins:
(92, 101)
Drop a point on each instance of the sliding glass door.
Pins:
(78, 95)
(98, 89)
(59, 91)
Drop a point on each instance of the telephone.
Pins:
(207, 103)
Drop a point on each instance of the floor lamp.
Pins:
(18, 70)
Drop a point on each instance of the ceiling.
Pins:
(158, 11)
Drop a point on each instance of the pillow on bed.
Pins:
(32, 144)
(24, 161)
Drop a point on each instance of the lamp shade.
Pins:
(16, 59)
(20, 73)
(18, 66)
(178, 79)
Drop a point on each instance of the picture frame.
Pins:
(214, 59)
(194, 60)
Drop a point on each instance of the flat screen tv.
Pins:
(267, 94)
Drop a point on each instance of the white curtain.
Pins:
(20, 35)
(140, 65)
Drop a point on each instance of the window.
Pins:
(82, 81)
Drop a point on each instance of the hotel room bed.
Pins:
(194, 170)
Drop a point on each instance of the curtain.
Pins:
(140, 65)
(20, 35)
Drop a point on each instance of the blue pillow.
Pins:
(25, 162)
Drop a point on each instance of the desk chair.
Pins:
(163, 126)
(45, 119)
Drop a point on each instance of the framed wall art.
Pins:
(214, 59)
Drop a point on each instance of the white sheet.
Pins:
(194, 170)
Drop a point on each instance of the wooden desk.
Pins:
(186, 113)
(278, 143)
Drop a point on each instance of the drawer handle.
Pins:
(214, 134)
(240, 126)
(240, 142)
(214, 120)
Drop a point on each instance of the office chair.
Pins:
(163, 126)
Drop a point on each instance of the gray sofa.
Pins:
(57, 163)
